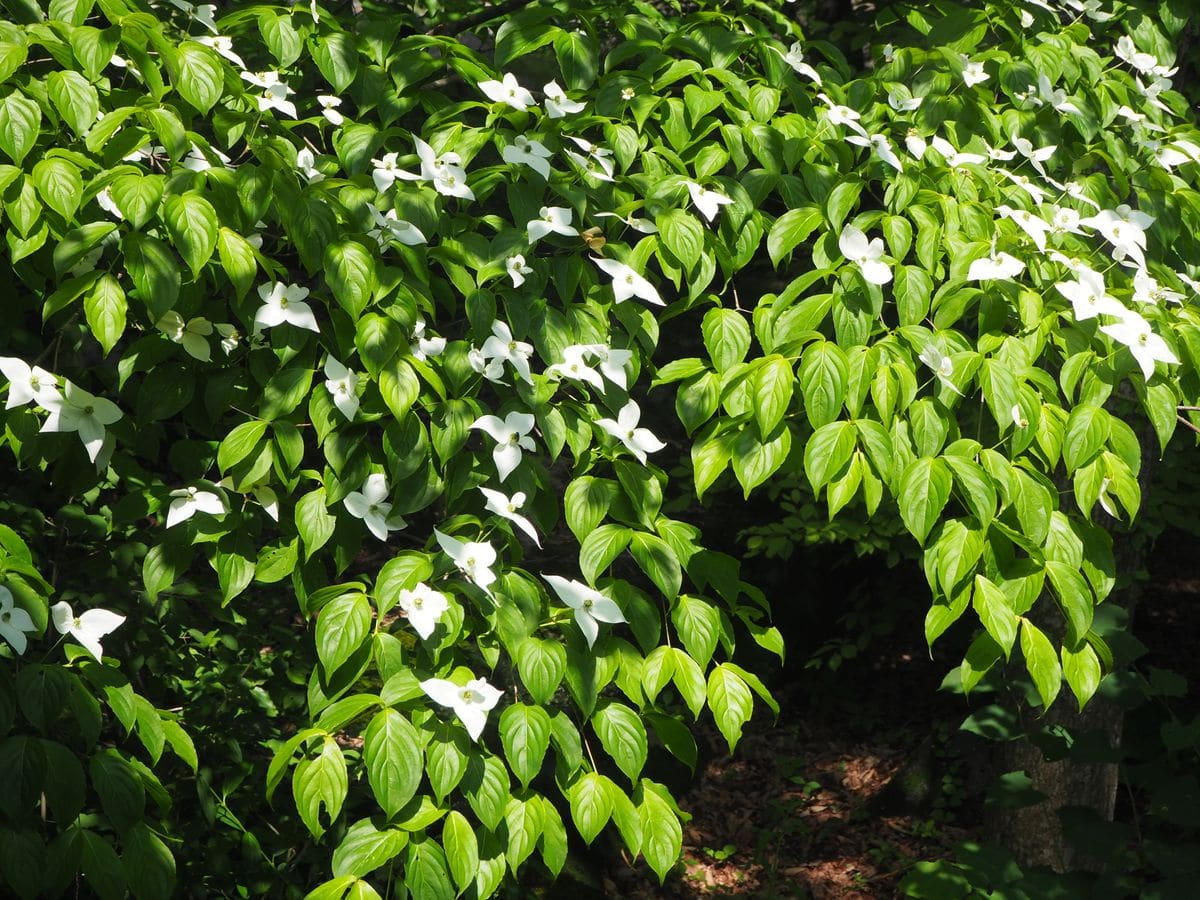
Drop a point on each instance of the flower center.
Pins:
(587, 604)
(629, 435)
(88, 410)
(283, 302)
(5, 616)
(418, 603)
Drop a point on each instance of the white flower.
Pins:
(105, 201)
(229, 337)
(1036, 155)
(644, 226)
(842, 115)
(973, 72)
(867, 256)
(424, 607)
(1064, 220)
(306, 165)
(370, 504)
(942, 365)
(523, 151)
(795, 58)
(598, 167)
(446, 172)
(1088, 295)
(627, 283)
(953, 157)
(284, 303)
(1124, 228)
(1125, 50)
(507, 91)
(999, 265)
(880, 146)
(422, 348)
(329, 105)
(516, 269)
(193, 334)
(915, 143)
(612, 362)
(197, 159)
(77, 410)
(386, 172)
(1032, 225)
(1037, 192)
(556, 102)
(14, 621)
(389, 227)
(342, 384)
(573, 366)
(1018, 416)
(275, 92)
(223, 45)
(491, 369)
(590, 605)
(638, 441)
(1152, 91)
(1147, 347)
(470, 702)
(502, 345)
(511, 435)
(628, 93)
(27, 384)
(1147, 290)
(1057, 99)
(186, 502)
(901, 101)
(473, 558)
(506, 508)
(551, 218)
(708, 202)
(87, 628)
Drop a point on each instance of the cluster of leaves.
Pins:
(313, 323)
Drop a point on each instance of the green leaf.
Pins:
(730, 701)
(462, 849)
(486, 787)
(13, 52)
(600, 548)
(149, 865)
(392, 753)
(924, 490)
(192, 223)
(699, 626)
(656, 558)
(378, 339)
(366, 848)
(824, 373)
(199, 77)
(153, 269)
(137, 196)
(104, 308)
(240, 443)
(350, 272)
(683, 236)
(313, 521)
(1074, 599)
(237, 259)
(827, 452)
(101, 866)
(337, 57)
(578, 58)
(20, 119)
(320, 782)
(913, 289)
(342, 626)
(542, 664)
(1083, 672)
(519, 35)
(553, 842)
(122, 796)
(59, 184)
(756, 459)
(623, 737)
(425, 874)
(1087, 430)
(525, 736)
(586, 502)
(662, 835)
(995, 613)
(791, 229)
(75, 99)
(591, 804)
(1041, 661)
(280, 37)
(726, 336)
(772, 387)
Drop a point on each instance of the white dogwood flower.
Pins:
(390, 227)
(575, 367)
(589, 604)
(511, 435)
(556, 102)
(973, 72)
(370, 504)
(423, 348)
(507, 508)
(551, 218)
(1032, 225)
(707, 201)
(1147, 290)
(642, 226)
(627, 283)
(955, 158)
(192, 334)
(516, 269)
(942, 365)
(868, 256)
(87, 628)
(284, 303)
(1001, 266)
(503, 346)
(1088, 295)
(423, 606)
(470, 703)
(14, 621)
(188, 501)
(507, 90)
(842, 115)
(795, 58)
(527, 152)
(473, 558)
(1147, 347)
(329, 108)
(306, 165)
(27, 384)
(880, 147)
(77, 410)
(342, 384)
(275, 92)
(638, 441)
(223, 45)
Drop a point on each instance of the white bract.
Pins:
(1147, 290)
(284, 303)
(516, 269)
(638, 441)
(527, 152)
(504, 347)
(223, 45)
(386, 171)
(389, 227)
(1124, 228)
(27, 384)
(643, 226)
(329, 108)
(915, 143)
(550, 218)
(473, 558)
(900, 100)
(942, 365)
(511, 435)
(880, 147)
(1036, 155)
(589, 604)
(370, 504)
(424, 607)
(306, 165)
(953, 157)
(77, 410)
(470, 703)
(192, 334)
(422, 348)
(795, 58)
(868, 256)
(1032, 225)
(342, 384)
(507, 90)
(1088, 295)
(87, 628)
(973, 72)
(275, 92)
(708, 202)
(14, 621)
(842, 115)
(188, 501)
(627, 283)
(507, 508)
(1147, 347)
(556, 102)
(1002, 266)
(575, 367)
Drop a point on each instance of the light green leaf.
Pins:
(995, 613)
(199, 77)
(623, 737)
(192, 224)
(661, 833)
(75, 99)
(462, 849)
(591, 804)
(726, 336)
(20, 119)
(924, 490)
(789, 230)
(350, 272)
(731, 703)
(366, 848)
(1041, 661)
(59, 184)
(342, 625)
(525, 736)
(104, 308)
(320, 782)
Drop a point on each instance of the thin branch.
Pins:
(1188, 423)
(466, 23)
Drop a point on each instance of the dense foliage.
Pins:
(330, 352)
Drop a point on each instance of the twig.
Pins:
(466, 23)
(1188, 423)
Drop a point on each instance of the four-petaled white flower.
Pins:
(638, 441)
(880, 146)
(506, 508)
(868, 256)
(14, 621)
(1147, 347)
(386, 171)
(1034, 226)
(511, 435)
(27, 384)
(424, 607)
(86, 628)
(342, 384)
(306, 165)
(528, 152)
(598, 162)
(473, 558)
(795, 58)
(1002, 266)
(1147, 290)
(507, 91)
(612, 362)
(643, 226)
(446, 172)
(707, 201)
(390, 227)
(1088, 295)
(1036, 155)
(589, 604)
(422, 348)
(516, 269)
(503, 346)
(942, 365)
(627, 283)
(842, 115)
(77, 410)
(551, 218)
(1025, 183)
(192, 334)
(556, 102)
(284, 303)
(223, 45)
(973, 72)
(575, 367)
(955, 158)
(1124, 228)
(329, 108)
(370, 504)
(900, 100)
(275, 92)
(470, 703)
(188, 501)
